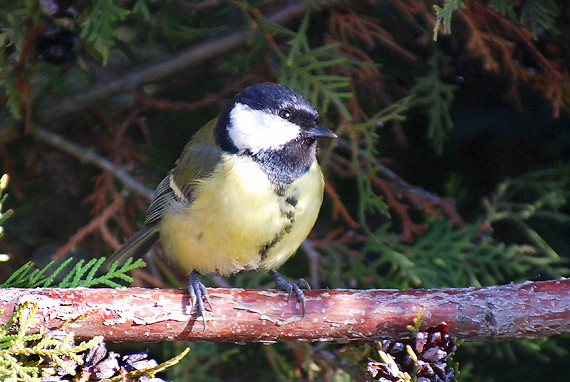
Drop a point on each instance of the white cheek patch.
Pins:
(257, 130)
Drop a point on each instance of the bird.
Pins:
(244, 194)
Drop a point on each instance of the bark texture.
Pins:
(530, 310)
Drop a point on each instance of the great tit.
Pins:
(243, 195)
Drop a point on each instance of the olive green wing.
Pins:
(199, 158)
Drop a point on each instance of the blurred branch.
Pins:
(89, 156)
(530, 310)
(97, 223)
(400, 195)
(157, 71)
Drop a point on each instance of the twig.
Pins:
(550, 80)
(228, 91)
(397, 190)
(339, 209)
(386, 173)
(97, 222)
(529, 310)
(89, 156)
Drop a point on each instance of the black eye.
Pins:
(284, 113)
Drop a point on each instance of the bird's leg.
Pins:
(198, 294)
(291, 287)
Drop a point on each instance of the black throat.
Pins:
(288, 163)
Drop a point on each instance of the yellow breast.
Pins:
(239, 220)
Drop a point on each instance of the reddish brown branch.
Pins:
(338, 208)
(492, 35)
(96, 223)
(530, 310)
(400, 195)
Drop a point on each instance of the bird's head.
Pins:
(268, 118)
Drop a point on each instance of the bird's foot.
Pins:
(198, 294)
(291, 287)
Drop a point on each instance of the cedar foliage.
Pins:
(467, 100)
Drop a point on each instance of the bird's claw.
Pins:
(198, 294)
(291, 287)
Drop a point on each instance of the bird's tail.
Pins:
(135, 246)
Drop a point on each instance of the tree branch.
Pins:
(157, 71)
(89, 156)
(530, 310)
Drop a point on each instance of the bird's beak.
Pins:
(320, 132)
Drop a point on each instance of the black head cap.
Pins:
(273, 97)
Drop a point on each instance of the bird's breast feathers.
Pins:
(239, 220)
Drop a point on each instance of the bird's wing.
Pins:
(162, 195)
(198, 160)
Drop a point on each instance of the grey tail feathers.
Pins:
(136, 246)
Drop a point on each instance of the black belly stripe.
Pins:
(291, 201)
(265, 248)
(289, 213)
(280, 189)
